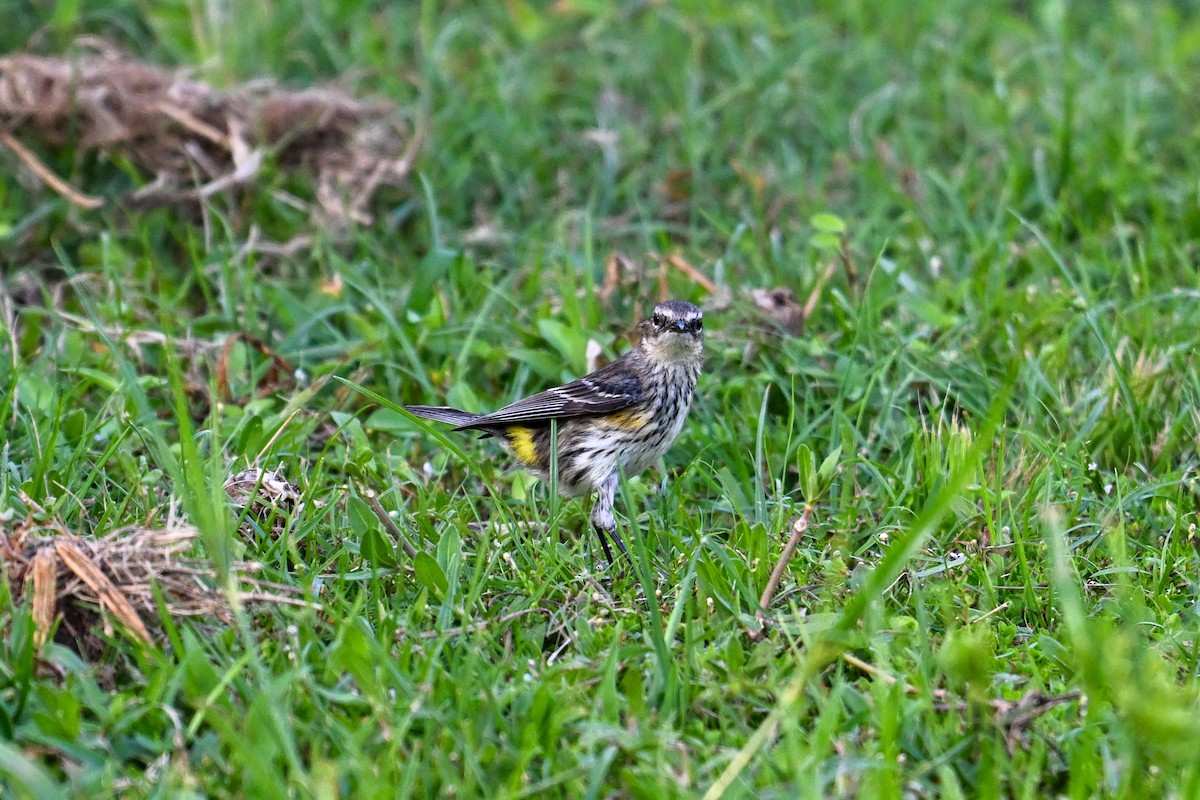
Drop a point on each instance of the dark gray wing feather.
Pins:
(606, 390)
(443, 414)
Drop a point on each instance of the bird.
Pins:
(618, 419)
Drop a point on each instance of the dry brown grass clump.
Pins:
(87, 585)
(196, 141)
(267, 497)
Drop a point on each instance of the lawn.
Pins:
(947, 253)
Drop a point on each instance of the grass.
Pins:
(990, 415)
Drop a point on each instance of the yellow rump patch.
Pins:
(521, 441)
(627, 420)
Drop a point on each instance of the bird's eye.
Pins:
(698, 324)
(657, 319)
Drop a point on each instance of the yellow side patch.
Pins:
(521, 441)
(627, 420)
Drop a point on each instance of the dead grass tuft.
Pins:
(196, 141)
(92, 586)
(269, 499)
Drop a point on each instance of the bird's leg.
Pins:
(603, 519)
(604, 544)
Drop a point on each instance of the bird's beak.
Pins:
(680, 325)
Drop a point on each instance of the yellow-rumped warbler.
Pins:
(622, 417)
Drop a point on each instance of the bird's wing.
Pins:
(602, 392)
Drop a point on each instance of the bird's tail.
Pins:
(443, 414)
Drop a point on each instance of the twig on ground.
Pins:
(683, 266)
(389, 524)
(799, 528)
(47, 176)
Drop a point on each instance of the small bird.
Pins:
(620, 418)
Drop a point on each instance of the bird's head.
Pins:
(674, 334)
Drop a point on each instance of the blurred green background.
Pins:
(989, 414)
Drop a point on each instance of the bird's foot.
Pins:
(607, 534)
